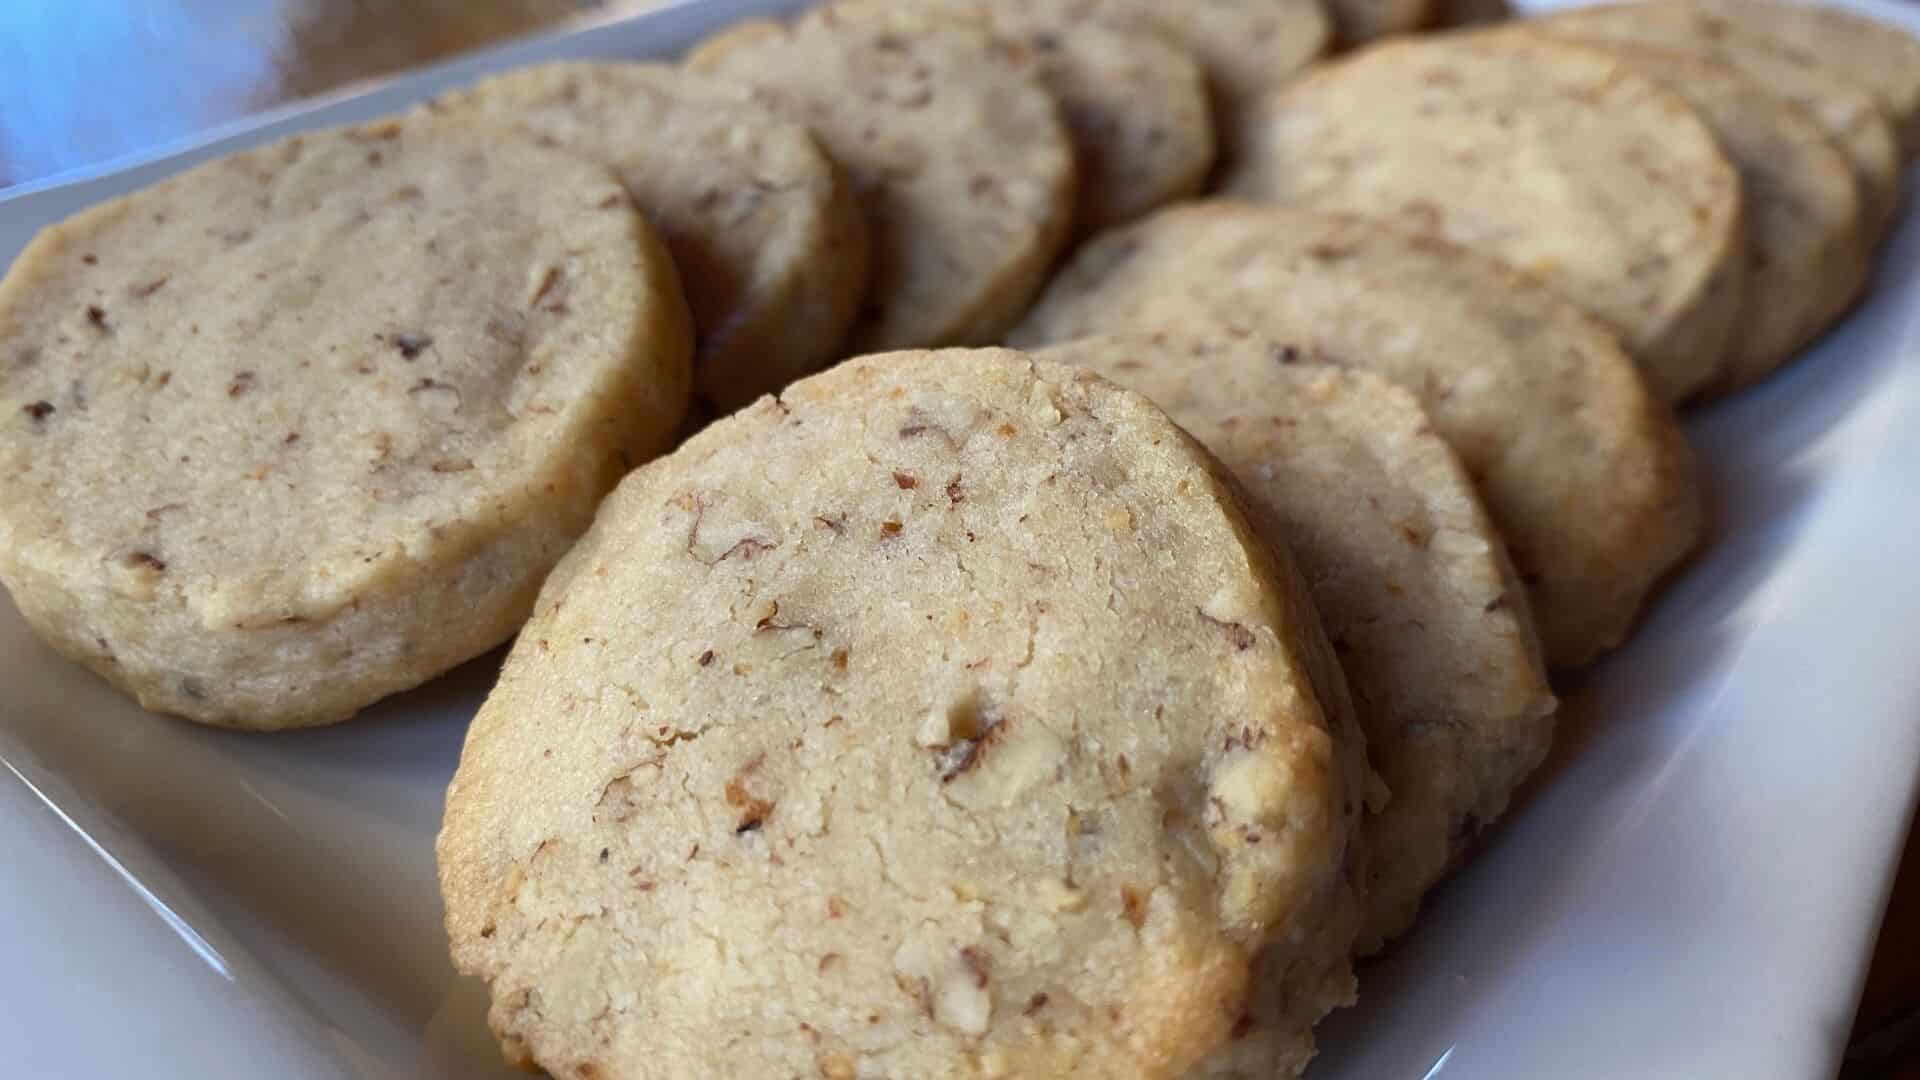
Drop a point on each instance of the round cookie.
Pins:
(942, 717)
(1843, 109)
(771, 247)
(1558, 160)
(307, 426)
(1881, 58)
(1135, 103)
(1411, 580)
(1587, 476)
(1809, 250)
(958, 153)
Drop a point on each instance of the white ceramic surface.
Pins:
(1691, 890)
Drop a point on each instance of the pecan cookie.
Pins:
(959, 153)
(944, 717)
(1809, 249)
(1587, 476)
(1843, 108)
(1877, 56)
(1411, 580)
(1560, 161)
(771, 247)
(1134, 102)
(306, 426)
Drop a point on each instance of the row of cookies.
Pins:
(973, 720)
(1231, 305)
(799, 230)
(1713, 192)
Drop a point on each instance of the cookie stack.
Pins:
(1081, 710)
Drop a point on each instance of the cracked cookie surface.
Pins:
(307, 425)
(943, 718)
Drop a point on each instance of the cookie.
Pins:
(771, 246)
(306, 426)
(1844, 110)
(957, 151)
(1808, 248)
(1412, 582)
(1556, 159)
(1357, 22)
(1247, 47)
(1879, 57)
(1135, 104)
(942, 717)
(1586, 475)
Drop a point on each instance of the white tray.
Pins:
(1692, 891)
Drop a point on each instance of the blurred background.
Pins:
(84, 81)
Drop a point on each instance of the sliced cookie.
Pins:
(1845, 110)
(1412, 582)
(1135, 103)
(1584, 472)
(958, 152)
(1558, 160)
(770, 244)
(1880, 57)
(943, 717)
(1248, 47)
(1809, 249)
(306, 426)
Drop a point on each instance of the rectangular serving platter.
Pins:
(1690, 889)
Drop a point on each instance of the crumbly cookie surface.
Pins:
(1558, 160)
(958, 153)
(307, 425)
(943, 718)
(770, 245)
(1412, 582)
(1588, 477)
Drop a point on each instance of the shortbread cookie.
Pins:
(308, 425)
(1412, 583)
(1845, 110)
(1556, 159)
(944, 717)
(960, 155)
(770, 244)
(1808, 248)
(1587, 476)
(1881, 58)
(1135, 103)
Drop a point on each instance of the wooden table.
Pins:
(86, 80)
